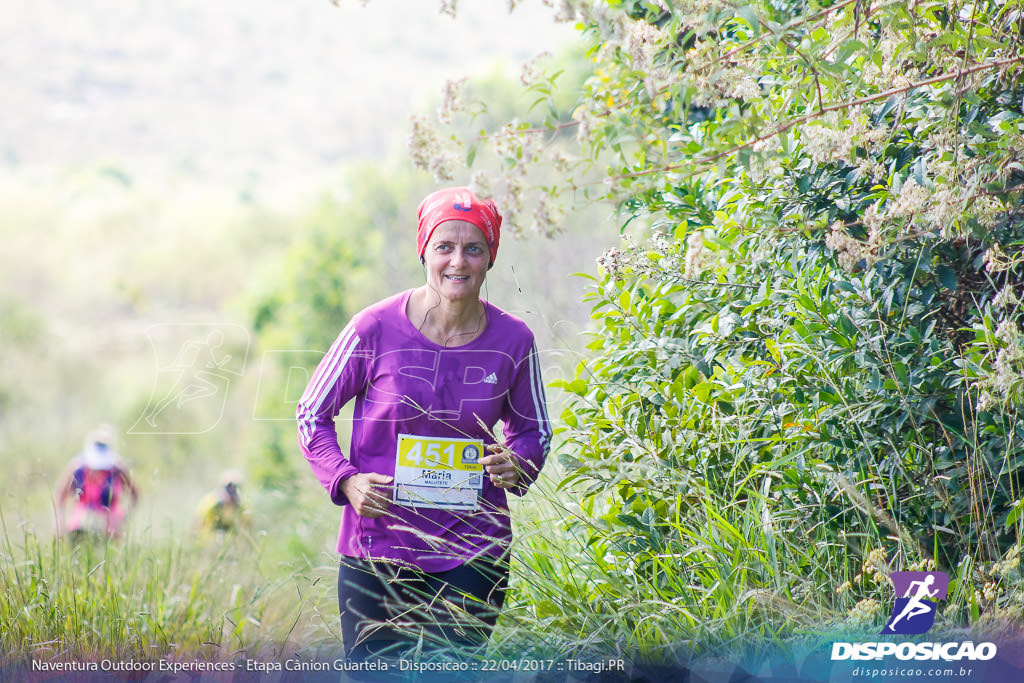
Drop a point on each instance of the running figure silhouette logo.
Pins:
(195, 366)
(917, 598)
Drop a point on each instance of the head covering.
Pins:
(99, 453)
(99, 456)
(458, 203)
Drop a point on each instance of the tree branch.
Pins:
(782, 128)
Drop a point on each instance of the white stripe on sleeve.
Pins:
(537, 390)
(332, 367)
(328, 374)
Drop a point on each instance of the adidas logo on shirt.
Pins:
(491, 378)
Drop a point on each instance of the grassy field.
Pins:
(266, 592)
(166, 594)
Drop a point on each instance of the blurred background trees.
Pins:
(190, 170)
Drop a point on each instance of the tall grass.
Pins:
(718, 584)
(147, 599)
(733, 576)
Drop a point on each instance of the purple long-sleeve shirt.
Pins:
(403, 383)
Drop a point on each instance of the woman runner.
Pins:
(433, 371)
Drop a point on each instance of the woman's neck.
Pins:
(446, 322)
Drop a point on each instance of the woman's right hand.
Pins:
(368, 493)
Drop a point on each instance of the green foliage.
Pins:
(342, 258)
(498, 97)
(811, 358)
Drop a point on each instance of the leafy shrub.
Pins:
(808, 357)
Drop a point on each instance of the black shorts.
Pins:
(386, 607)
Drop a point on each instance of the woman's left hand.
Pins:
(501, 465)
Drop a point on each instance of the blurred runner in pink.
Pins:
(98, 483)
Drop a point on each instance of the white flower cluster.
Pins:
(698, 257)
(987, 209)
(451, 100)
(885, 70)
(911, 200)
(642, 42)
(864, 611)
(423, 141)
(659, 260)
(547, 217)
(942, 207)
(700, 15)
(586, 122)
(870, 169)
(826, 144)
(945, 208)
(480, 184)
(667, 263)
(943, 170)
(518, 149)
(715, 85)
(428, 153)
(745, 86)
(1005, 298)
(566, 10)
(1005, 383)
(511, 200)
(597, 13)
(560, 161)
(831, 140)
(616, 262)
(945, 211)
(531, 72)
(998, 261)
(1009, 365)
(765, 162)
(850, 251)
(513, 145)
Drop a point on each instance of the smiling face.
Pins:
(456, 259)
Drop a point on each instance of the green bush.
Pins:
(807, 364)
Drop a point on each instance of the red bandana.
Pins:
(458, 203)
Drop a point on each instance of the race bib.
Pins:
(438, 473)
